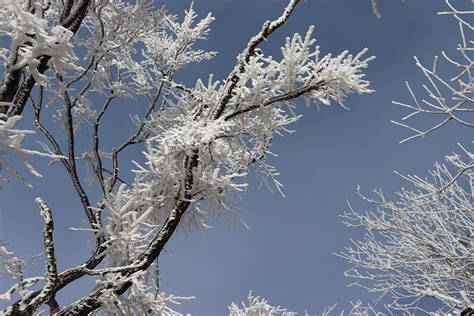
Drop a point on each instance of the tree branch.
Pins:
(133, 138)
(52, 272)
(10, 87)
(267, 29)
(141, 263)
(95, 135)
(279, 98)
(72, 163)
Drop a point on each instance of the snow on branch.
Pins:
(32, 36)
(140, 300)
(51, 268)
(257, 306)
(259, 108)
(200, 144)
(48, 240)
(169, 190)
(267, 29)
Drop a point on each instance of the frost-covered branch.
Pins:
(279, 98)
(193, 158)
(48, 241)
(36, 44)
(200, 143)
(51, 267)
(421, 244)
(450, 100)
(144, 260)
(257, 306)
(11, 143)
(267, 29)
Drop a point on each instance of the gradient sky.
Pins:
(287, 255)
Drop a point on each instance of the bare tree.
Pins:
(83, 57)
(421, 243)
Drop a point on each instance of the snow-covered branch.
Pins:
(257, 306)
(234, 77)
(37, 43)
(420, 244)
(51, 268)
(200, 143)
(450, 100)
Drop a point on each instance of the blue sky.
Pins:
(287, 255)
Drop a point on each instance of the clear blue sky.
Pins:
(287, 256)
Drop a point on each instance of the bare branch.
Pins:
(95, 135)
(72, 162)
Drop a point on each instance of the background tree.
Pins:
(420, 244)
(199, 142)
